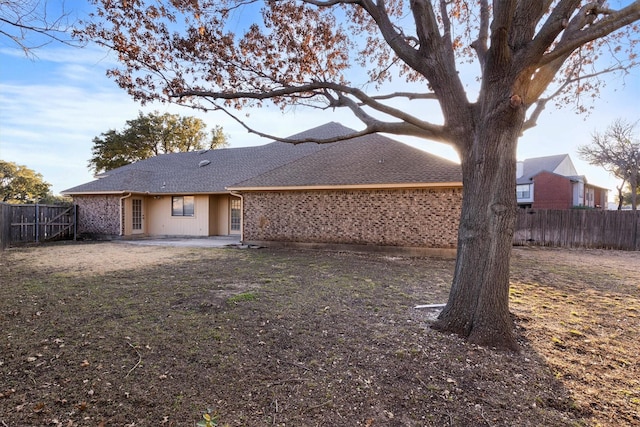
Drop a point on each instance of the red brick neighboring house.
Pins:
(552, 182)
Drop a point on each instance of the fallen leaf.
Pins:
(7, 393)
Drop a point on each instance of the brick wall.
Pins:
(551, 191)
(98, 214)
(411, 217)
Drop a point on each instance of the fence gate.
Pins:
(39, 223)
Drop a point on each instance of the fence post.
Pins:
(5, 226)
(75, 222)
(636, 240)
(36, 223)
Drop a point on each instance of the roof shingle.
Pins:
(372, 159)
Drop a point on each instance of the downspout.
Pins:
(233, 193)
(121, 216)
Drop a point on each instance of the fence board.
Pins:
(5, 225)
(584, 228)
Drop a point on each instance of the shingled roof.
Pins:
(533, 166)
(371, 159)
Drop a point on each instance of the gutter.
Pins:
(233, 193)
(120, 216)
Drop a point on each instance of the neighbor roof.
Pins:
(369, 159)
(532, 167)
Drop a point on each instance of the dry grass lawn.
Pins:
(111, 334)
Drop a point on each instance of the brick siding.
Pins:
(99, 215)
(408, 217)
(551, 191)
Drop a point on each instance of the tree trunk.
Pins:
(633, 183)
(478, 306)
(620, 196)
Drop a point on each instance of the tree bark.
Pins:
(633, 184)
(620, 196)
(478, 306)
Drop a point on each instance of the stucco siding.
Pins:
(160, 221)
(98, 214)
(406, 217)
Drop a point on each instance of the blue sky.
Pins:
(52, 106)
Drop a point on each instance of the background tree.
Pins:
(618, 151)
(343, 53)
(30, 24)
(626, 195)
(149, 135)
(19, 184)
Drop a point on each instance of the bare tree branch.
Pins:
(392, 36)
(408, 95)
(541, 103)
(480, 45)
(24, 21)
(330, 3)
(374, 126)
(415, 126)
(582, 28)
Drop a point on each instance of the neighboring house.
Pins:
(553, 183)
(369, 190)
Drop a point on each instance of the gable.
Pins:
(560, 164)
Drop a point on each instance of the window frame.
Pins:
(180, 211)
(137, 216)
(235, 204)
(524, 195)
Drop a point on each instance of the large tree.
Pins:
(343, 53)
(19, 184)
(149, 135)
(617, 150)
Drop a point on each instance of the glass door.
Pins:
(137, 217)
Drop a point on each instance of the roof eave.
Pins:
(402, 185)
(86, 193)
(146, 193)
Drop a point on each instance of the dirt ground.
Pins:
(111, 334)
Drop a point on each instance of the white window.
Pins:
(523, 191)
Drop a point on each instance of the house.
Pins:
(552, 182)
(370, 190)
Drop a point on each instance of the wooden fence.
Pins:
(36, 223)
(578, 228)
(5, 225)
